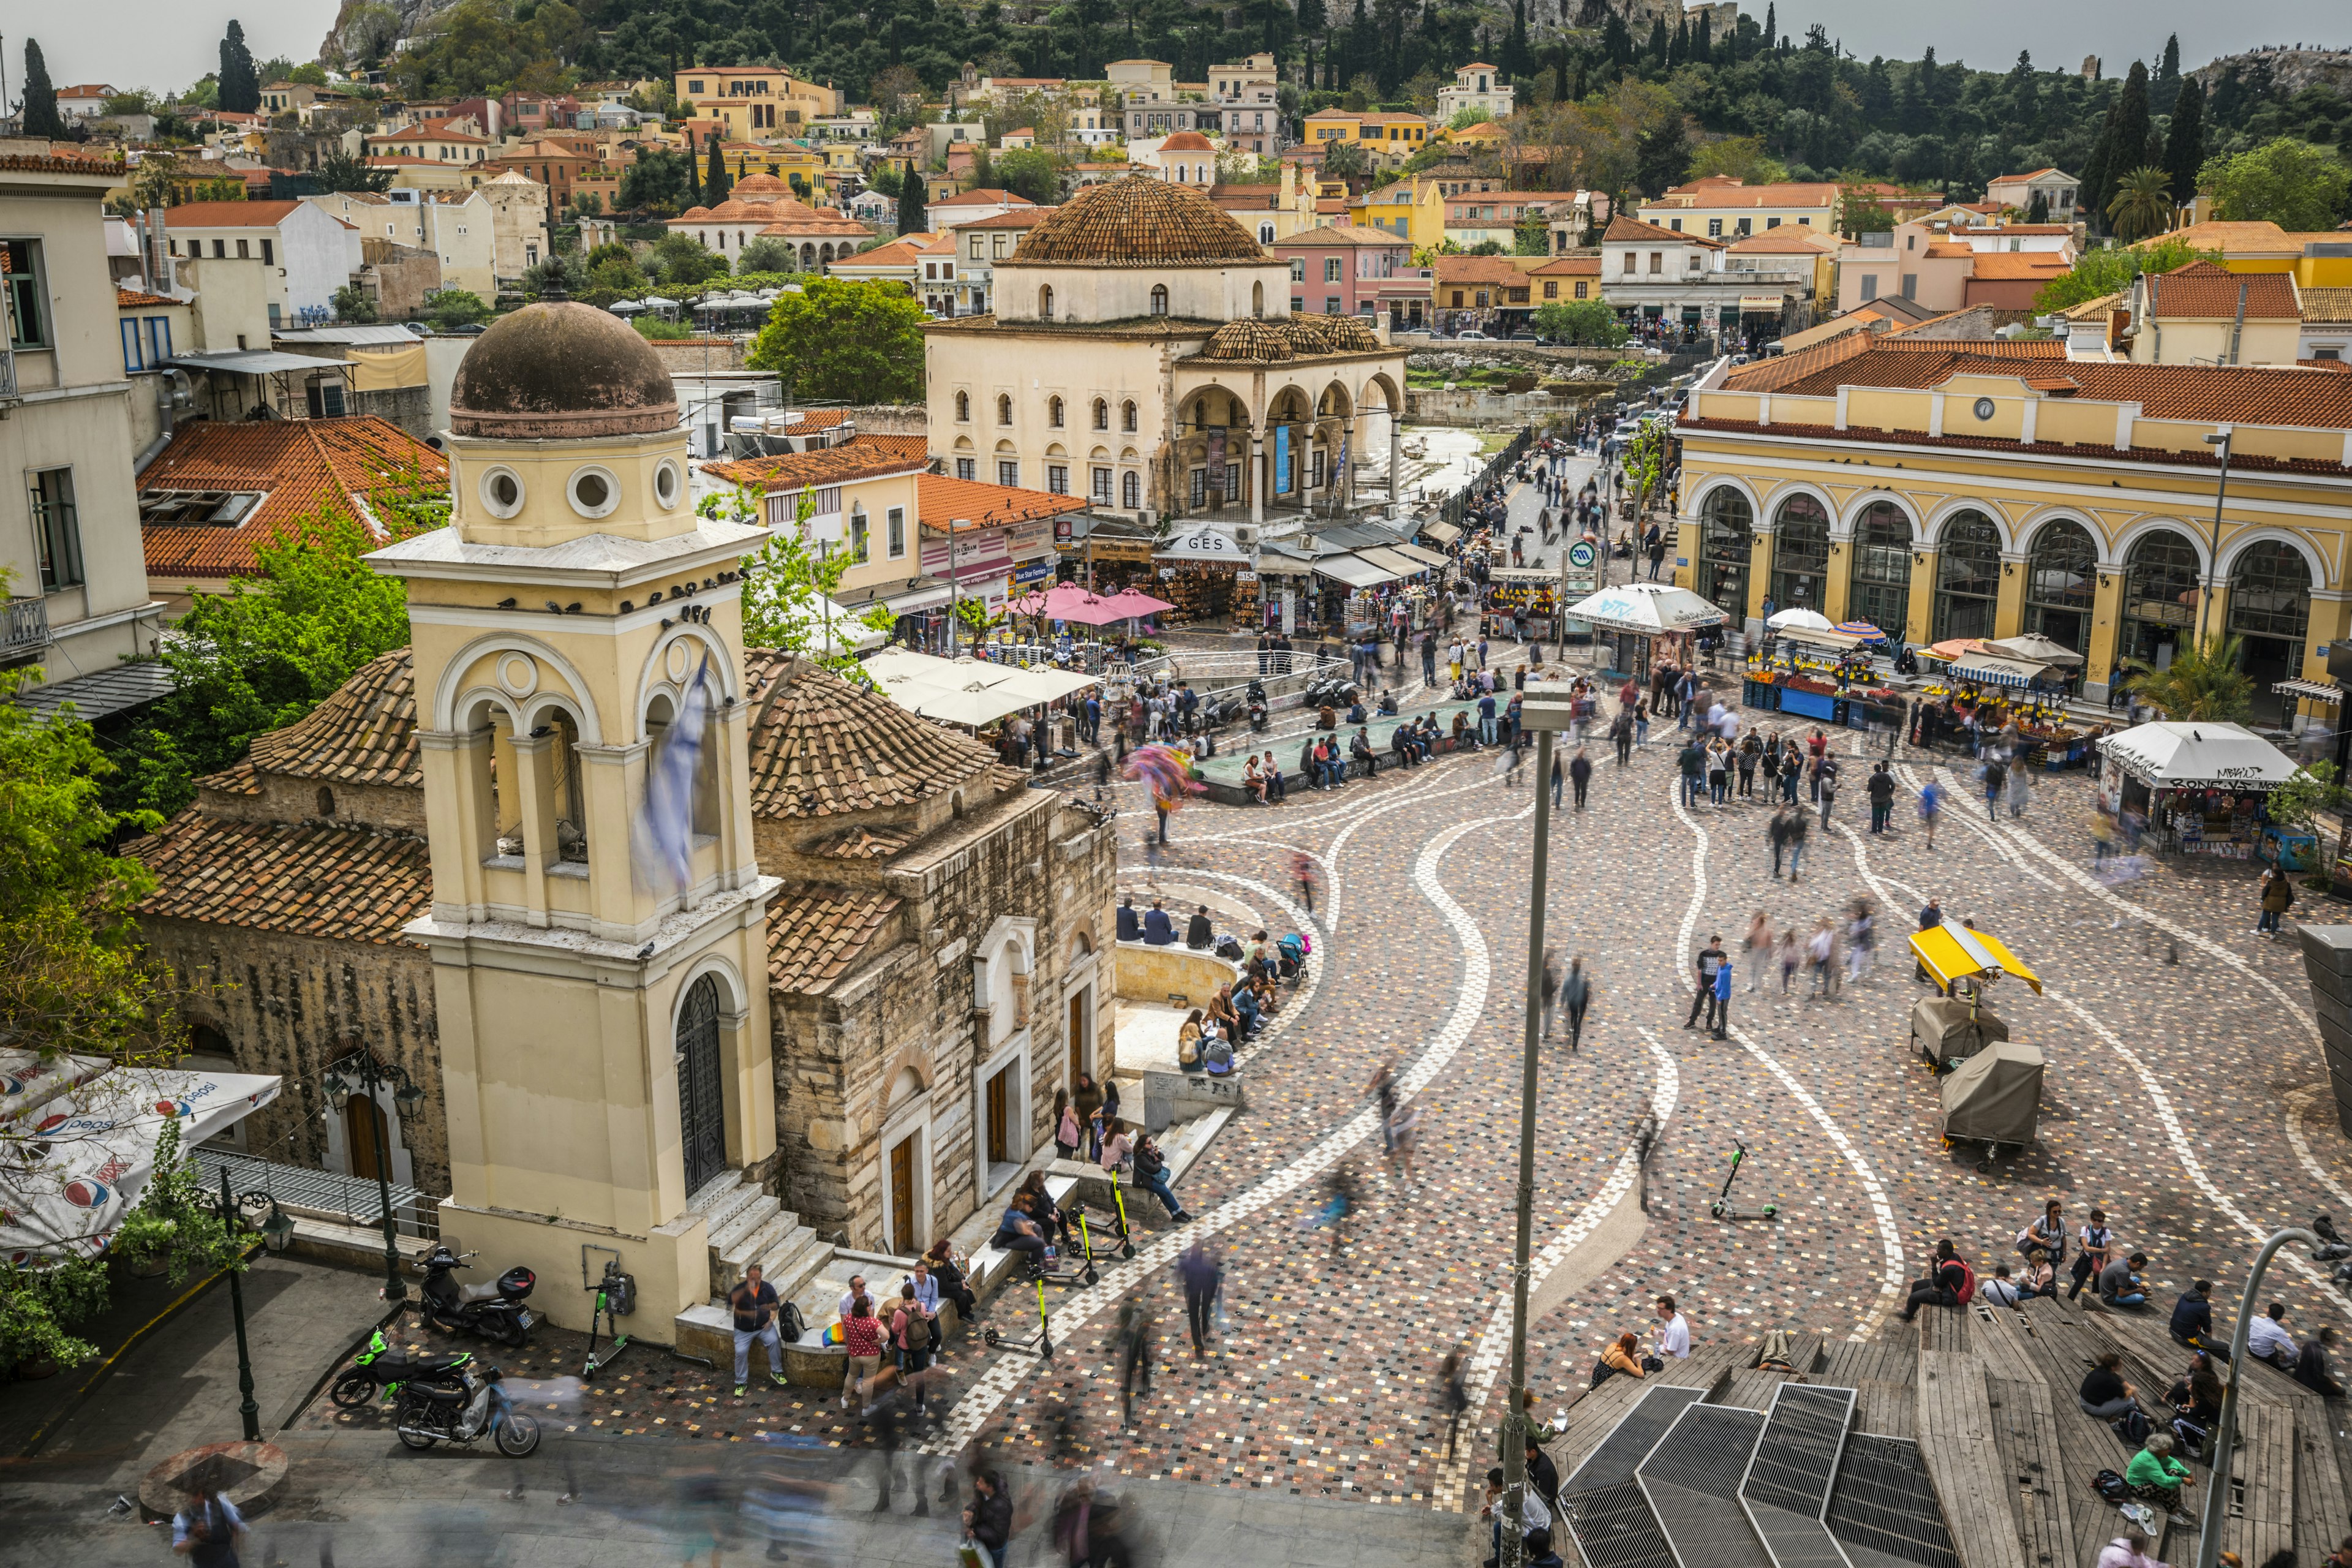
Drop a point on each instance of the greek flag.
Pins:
(665, 836)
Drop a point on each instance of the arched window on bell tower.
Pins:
(660, 713)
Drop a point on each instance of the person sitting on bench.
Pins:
(1360, 749)
(1016, 1232)
(2267, 1339)
(2156, 1477)
(2104, 1395)
(1130, 923)
(2119, 1283)
(1197, 934)
(2311, 1368)
(1217, 1056)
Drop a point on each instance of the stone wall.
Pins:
(694, 355)
(410, 407)
(293, 1006)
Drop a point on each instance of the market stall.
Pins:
(1815, 672)
(1199, 573)
(1535, 589)
(1649, 620)
(2202, 788)
(2007, 687)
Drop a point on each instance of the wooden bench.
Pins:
(1956, 1442)
(2025, 1436)
(2065, 1351)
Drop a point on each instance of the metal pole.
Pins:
(2225, 1434)
(246, 1409)
(395, 1292)
(2224, 438)
(1515, 1438)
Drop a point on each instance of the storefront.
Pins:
(2201, 788)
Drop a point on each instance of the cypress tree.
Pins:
(2097, 173)
(715, 182)
(40, 111)
(2184, 143)
(1517, 60)
(1678, 48)
(911, 219)
(1703, 41)
(2127, 143)
(240, 81)
(1658, 41)
(1772, 27)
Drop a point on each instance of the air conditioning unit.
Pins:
(1245, 535)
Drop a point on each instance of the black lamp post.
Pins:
(371, 1076)
(277, 1233)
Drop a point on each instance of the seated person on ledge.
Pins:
(1389, 703)
(1197, 934)
(1131, 925)
(1355, 711)
(2104, 1395)
(2155, 1476)
(1217, 1056)
(2120, 1284)
(1158, 929)
(2266, 1338)
(1188, 1043)
(1360, 749)
(1016, 1232)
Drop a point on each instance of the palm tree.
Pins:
(2200, 684)
(2142, 205)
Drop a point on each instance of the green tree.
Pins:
(240, 84)
(787, 587)
(1345, 156)
(1662, 157)
(1463, 118)
(40, 113)
(1030, 173)
(2184, 140)
(340, 171)
(616, 275)
(715, 181)
(310, 73)
(2200, 684)
(2142, 205)
(2098, 273)
(354, 304)
(1742, 158)
(764, 254)
(1584, 322)
(685, 260)
(658, 181)
(2308, 792)
(1532, 237)
(2038, 209)
(448, 309)
(2295, 185)
(857, 341)
(1860, 214)
(887, 178)
(559, 274)
(912, 211)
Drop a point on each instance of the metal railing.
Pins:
(322, 1195)
(24, 626)
(1456, 506)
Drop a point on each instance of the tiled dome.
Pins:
(1140, 222)
(1248, 340)
(1310, 335)
(820, 746)
(1185, 142)
(1353, 334)
(696, 211)
(761, 185)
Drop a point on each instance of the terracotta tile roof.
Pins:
(1623, 230)
(820, 746)
(983, 196)
(2327, 304)
(2202, 290)
(240, 779)
(1480, 271)
(941, 500)
(897, 253)
(1019, 217)
(311, 879)
(1332, 234)
(1945, 250)
(2031, 174)
(365, 734)
(2001, 228)
(1788, 239)
(2011, 266)
(2233, 237)
(2104, 450)
(228, 215)
(298, 466)
(864, 844)
(1730, 194)
(815, 938)
(1568, 267)
(860, 457)
(125, 298)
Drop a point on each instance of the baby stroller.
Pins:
(1291, 960)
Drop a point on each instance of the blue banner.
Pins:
(1282, 459)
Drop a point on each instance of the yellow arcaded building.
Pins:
(1949, 489)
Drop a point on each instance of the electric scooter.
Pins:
(1040, 1344)
(1723, 1208)
(616, 1298)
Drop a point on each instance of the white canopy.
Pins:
(833, 627)
(2032, 647)
(80, 1142)
(1648, 607)
(1801, 619)
(1203, 543)
(2199, 755)
(964, 690)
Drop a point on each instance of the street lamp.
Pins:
(1546, 707)
(2221, 438)
(2225, 1432)
(247, 1409)
(373, 1075)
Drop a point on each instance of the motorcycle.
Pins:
(494, 1310)
(381, 1366)
(429, 1413)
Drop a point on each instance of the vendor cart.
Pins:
(1948, 1030)
(1995, 1099)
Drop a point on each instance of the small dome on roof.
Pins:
(696, 211)
(761, 185)
(561, 370)
(1186, 142)
(1249, 340)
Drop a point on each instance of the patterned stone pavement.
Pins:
(2173, 1038)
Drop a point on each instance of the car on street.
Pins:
(1472, 336)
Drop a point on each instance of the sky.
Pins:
(167, 44)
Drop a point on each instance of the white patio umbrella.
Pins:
(2196, 754)
(2032, 647)
(1801, 619)
(1650, 608)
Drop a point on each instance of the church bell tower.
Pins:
(603, 1012)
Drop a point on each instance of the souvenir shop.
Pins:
(2201, 788)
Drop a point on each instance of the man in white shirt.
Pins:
(857, 1289)
(2267, 1337)
(1672, 1336)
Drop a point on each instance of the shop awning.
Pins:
(1282, 563)
(916, 600)
(1987, 670)
(87, 1132)
(1952, 953)
(1392, 560)
(2314, 690)
(1415, 553)
(1647, 608)
(1203, 543)
(1354, 571)
(2199, 754)
(1444, 532)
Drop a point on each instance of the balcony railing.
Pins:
(23, 626)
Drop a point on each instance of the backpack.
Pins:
(2132, 1428)
(1967, 1282)
(2111, 1486)
(790, 1324)
(1228, 947)
(917, 1332)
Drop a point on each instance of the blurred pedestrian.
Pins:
(1133, 1340)
(1203, 1276)
(987, 1519)
(1452, 1395)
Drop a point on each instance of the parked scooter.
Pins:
(495, 1311)
(430, 1413)
(381, 1366)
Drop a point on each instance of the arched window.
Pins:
(1131, 490)
(1127, 415)
(1054, 412)
(2161, 587)
(1160, 299)
(1968, 577)
(326, 801)
(1880, 589)
(1257, 299)
(1045, 302)
(701, 1084)
(1003, 409)
(964, 407)
(1727, 542)
(2061, 575)
(1102, 413)
(2270, 604)
(1800, 553)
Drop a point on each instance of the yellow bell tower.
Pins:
(603, 1022)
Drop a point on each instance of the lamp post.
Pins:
(2225, 1432)
(371, 1076)
(275, 1234)
(1546, 709)
(2221, 438)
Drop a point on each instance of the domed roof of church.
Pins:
(561, 371)
(761, 185)
(1140, 222)
(1247, 339)
(1185, 142)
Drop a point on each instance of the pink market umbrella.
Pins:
(1135, 602)
(1090, 610)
